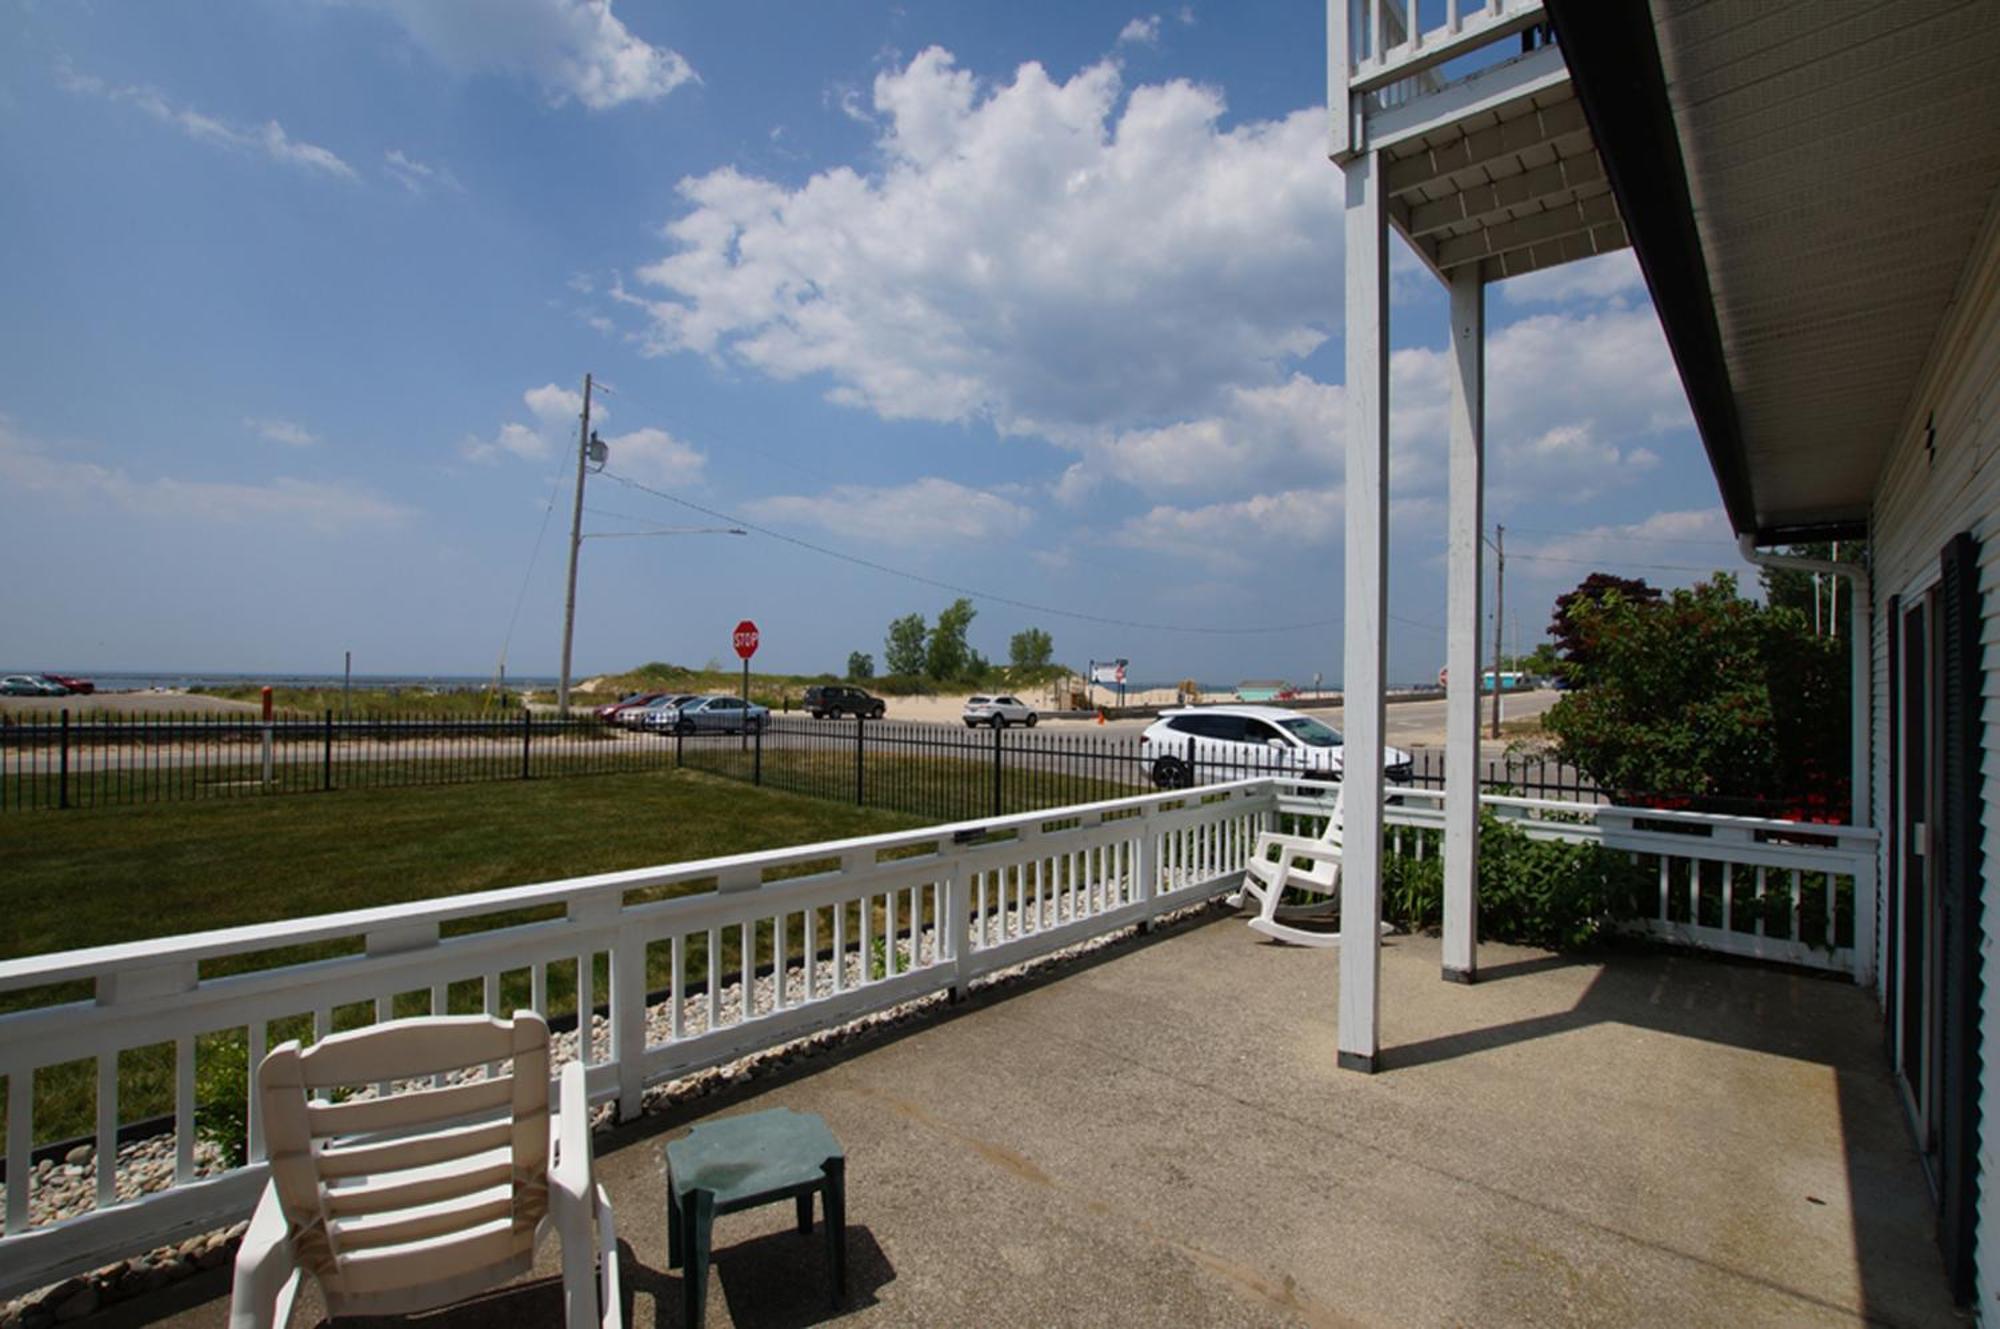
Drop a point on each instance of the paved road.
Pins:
(1410, 724)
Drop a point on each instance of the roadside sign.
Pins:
(746, 639)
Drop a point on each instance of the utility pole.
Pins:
(575, 544)
(1499, 614)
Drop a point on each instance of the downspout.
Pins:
(1862, 794)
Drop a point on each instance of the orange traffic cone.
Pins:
(1100, 716)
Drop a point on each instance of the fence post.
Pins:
(996, 769)
(957, 928)
(62, 784)
(527, 738)
(757, 757)
(1147, 869)
(680, 744)
(860, 764)
(326, 759)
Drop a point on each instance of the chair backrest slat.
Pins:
(406, 1050)
(360, 1160)
(417, 1107)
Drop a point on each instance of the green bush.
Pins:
(1549, 893)
(221, 1093)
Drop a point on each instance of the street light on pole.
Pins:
(591, 454)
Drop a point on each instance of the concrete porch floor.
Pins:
(1156, 1135)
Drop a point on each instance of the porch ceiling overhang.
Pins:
(1498, 172)
(1806, 183)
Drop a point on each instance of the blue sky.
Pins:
(1041, 300)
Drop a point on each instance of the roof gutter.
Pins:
(1860, 640)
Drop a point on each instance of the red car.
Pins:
(82, 686)
(609, 714)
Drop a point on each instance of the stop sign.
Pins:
(746, 639)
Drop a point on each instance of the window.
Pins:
(1311, 732)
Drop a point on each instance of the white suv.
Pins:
(1220, 740)
(998, 712)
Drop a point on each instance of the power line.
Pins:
(1617, 536)
(1621, 562)
(973, 592)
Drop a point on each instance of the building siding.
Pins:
(1935, 485)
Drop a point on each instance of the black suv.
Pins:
(835, 699)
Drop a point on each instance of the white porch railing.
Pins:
(759, 959)
(1385, 53)
(1801, 893)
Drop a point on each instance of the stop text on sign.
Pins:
(746, 639)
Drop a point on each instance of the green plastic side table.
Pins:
(737, 1163)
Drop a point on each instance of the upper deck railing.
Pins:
(1383, 53)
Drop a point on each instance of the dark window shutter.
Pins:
(1959, 882)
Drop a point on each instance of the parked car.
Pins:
(718, 715)
(1255, 738)
(26, 685)
(609, 713)
(83, 687)
(640, 714)
(998, 712)
(823, 700)
(657, 716)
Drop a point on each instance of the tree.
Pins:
(860, 666)
(1704, 699)
(1030, 648)
(947, 655)
(1574, 650)
(903, 649)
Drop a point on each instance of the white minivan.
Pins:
(1220, 740)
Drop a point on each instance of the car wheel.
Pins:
(1171, 773)
(878, 712)
(999, 722)
(1030, 721)
(683, 726)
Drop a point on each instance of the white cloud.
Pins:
(280, 431)
(1056, 258)
(922, 512)
(418, 177)
(25, 467)
(270, 138)
(1223, 534)
(1141, 32)
(572, 48)
(555, 411)
(657, 456)
(1671, 548)
(1614, 276)
(648, 454)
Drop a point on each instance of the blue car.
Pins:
(717, 715)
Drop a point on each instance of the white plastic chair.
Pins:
(1307, 865)
(413, 1200)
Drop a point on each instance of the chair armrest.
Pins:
(569, 1169)
(1295, 846)
(266, 1273)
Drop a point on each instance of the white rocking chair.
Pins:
(1306, 865)
(413, 1200)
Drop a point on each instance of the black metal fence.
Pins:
(64, 760)
(944, 774)
(60, 760)
(1528, 776)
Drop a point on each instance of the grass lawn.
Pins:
(93, 877)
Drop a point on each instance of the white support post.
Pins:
(1462, 620)
(1367, 521)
